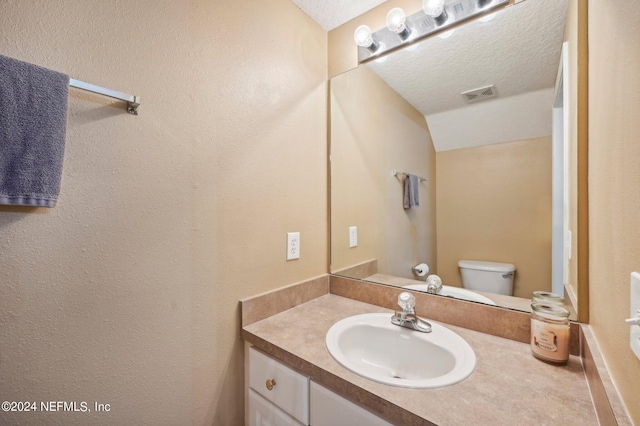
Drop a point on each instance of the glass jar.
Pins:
(550, 332)
(546, 297)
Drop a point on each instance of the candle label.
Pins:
(545, 339)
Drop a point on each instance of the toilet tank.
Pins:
(489, 277)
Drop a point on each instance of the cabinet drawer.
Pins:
(290, 391)
(264, 413)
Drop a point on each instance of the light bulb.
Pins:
(433, 8)
(363, 36)
(396, 19)
(396, 22)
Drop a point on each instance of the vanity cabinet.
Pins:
(280, 396)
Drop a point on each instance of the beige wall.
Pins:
(127, 292)
(614, 184)
(494, 203)
(374, 131)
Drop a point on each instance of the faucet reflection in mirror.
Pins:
(436, 16)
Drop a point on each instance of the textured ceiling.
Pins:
(518, 52)
(333, 13)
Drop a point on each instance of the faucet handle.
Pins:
(434, 284)
(406, 301)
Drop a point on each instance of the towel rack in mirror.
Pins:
(398, 172)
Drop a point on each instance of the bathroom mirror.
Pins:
(496, 171)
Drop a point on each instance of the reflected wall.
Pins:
(494, 203)
(373, 132)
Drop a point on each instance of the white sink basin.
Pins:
(372, 347)
(457, 292)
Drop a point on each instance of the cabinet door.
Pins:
(264, 413)
(330, 409)
(279, 384)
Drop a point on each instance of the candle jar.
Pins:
(546, 297)
(550, 332)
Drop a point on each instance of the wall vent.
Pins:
(481, 94)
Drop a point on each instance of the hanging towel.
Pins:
(33, 115)
(411, 191)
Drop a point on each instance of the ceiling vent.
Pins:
(481, 94)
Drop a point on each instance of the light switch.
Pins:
(635, 307)
(293, 245)
(353, 236)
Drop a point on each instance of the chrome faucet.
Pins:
(434, 284)
(407, 317)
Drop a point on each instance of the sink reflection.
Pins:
(457, 292)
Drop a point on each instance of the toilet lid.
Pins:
(487, 266)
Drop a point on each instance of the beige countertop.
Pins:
(509, 386)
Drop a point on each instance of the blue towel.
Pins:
(411, 191)
(33, 115)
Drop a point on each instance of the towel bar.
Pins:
(133, 102)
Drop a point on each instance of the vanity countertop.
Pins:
(509, 386)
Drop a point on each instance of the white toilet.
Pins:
(489, 277)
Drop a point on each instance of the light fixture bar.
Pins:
(422, 25)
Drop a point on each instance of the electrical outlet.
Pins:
(353, 236)
(634, 339)
(293, 245)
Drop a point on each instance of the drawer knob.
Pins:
(271, 383)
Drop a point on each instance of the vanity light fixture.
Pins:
(396, 22)
(435, 18)
(364, 38)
